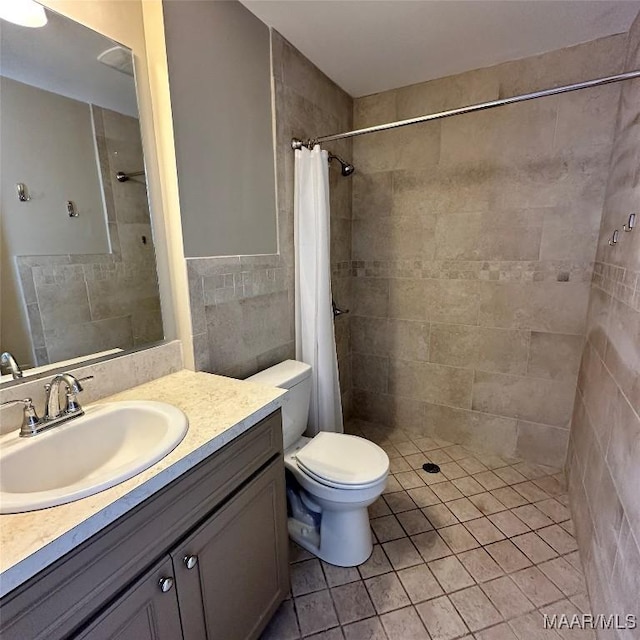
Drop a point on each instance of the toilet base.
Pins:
(345, 537)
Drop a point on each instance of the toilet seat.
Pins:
(333, 485)
(343, 461)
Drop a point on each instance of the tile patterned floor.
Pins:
(478, 551)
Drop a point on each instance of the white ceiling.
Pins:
(370, 46)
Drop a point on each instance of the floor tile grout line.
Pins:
(483, 546)
(295, 613)
(484, 515)
(449, 593)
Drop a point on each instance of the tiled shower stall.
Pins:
(473, 246)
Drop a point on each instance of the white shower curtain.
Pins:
(315, 338)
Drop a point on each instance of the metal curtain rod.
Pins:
(629, 75)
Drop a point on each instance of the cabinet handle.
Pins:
(166, 584)
(190, 561)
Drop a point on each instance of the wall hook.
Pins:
(23, 195)
(71, 209)
(631, 222)
(614, 238)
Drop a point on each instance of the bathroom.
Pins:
(493, 323)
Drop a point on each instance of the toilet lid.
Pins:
(343, 459)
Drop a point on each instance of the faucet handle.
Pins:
(85, 378)
(30, 419)
(73, 406)
(10, 403)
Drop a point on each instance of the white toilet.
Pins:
(341, 475)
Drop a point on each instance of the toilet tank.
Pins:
(296, 378)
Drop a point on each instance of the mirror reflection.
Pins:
(77, 264)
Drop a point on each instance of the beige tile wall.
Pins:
(473, 240)
(604, 455)
(242, 306)
(241, 313)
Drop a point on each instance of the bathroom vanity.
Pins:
(189, 552)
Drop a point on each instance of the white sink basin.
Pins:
(109, 444)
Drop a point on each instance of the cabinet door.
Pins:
(238, 559)
(145, 611)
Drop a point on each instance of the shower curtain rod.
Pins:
(629, 75)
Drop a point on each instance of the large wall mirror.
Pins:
(77, 261)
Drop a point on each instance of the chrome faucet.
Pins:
(71, 407)
(55, 413)
(7, 359)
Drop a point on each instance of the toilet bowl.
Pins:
(337, 475)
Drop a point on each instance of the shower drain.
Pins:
(430, 467)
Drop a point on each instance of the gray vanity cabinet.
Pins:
(237, 564)
(143, 612)
(218, 533)
(223, 582)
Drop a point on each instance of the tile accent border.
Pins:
(502, 271)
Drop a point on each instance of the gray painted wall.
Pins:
(219, 76)
(48, 144)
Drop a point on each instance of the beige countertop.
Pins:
(219, 409)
